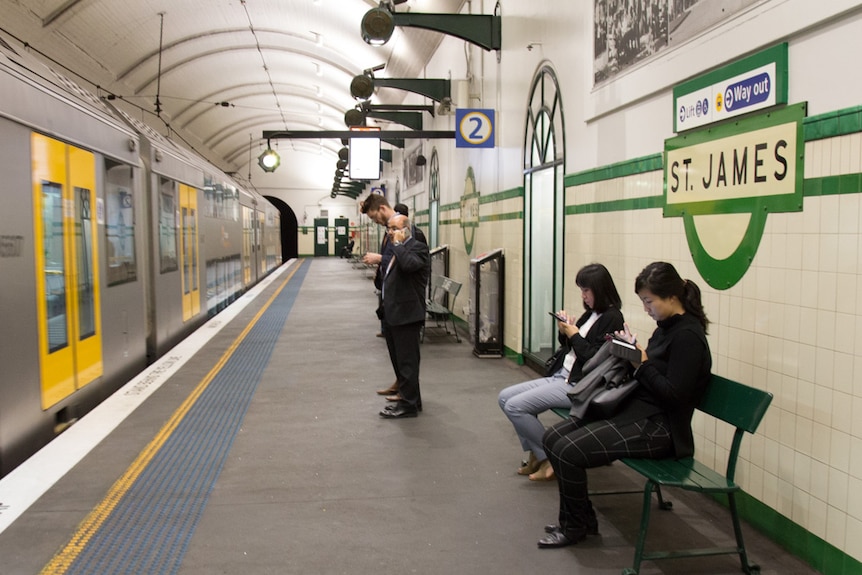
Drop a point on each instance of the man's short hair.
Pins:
(373, 203)
(402, 209)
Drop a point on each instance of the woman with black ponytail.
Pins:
(655, 421)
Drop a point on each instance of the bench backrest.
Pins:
(739, 405)
(441, 286)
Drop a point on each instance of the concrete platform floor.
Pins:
(316, 482)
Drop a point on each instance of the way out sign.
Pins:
(475, 128)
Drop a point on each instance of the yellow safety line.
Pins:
(90, 525)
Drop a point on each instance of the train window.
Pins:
(168, 225)
(120, 223)
(84, 262)
(55, 265)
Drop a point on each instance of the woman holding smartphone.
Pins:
(655, 420)
(582, 337)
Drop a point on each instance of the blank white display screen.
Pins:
(364, 162)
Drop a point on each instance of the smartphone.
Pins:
(559, 317)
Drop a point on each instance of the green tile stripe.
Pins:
(832, 124)
(643, 203)
(822, 556)
(502, 217)
(833, 185)
(504, 195)
(614, 171)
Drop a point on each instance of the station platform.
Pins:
(263, 453)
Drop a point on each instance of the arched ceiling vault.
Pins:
(223, 71)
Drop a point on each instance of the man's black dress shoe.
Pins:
(555, 539)
(398, 413)
(393, 406)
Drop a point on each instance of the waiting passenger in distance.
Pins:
(347, 250)
(579, 340)
(655, 420)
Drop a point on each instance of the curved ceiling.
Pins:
(217, 73)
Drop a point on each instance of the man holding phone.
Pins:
(405, 281)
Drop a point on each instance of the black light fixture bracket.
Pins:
(484, 30)
(347, 134)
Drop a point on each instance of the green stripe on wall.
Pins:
(617, 205)
(821, 555)
(502, 217)
(614, 171)
(504, 195)
(838, 123)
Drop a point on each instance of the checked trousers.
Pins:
(573, 447)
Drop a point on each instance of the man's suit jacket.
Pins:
(405, 283)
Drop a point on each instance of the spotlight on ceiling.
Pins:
(354, 117)
(362, 87)
(269, 160)
(377, 25)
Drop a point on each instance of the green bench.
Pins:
(742, 407)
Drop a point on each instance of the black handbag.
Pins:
(554, 363)
(606, 383)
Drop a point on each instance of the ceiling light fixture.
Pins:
(379, 23)
(269, 160)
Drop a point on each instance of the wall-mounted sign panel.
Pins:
(475, 128)
(754, 83)
(364, 156)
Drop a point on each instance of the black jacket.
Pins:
(405, 283)
(609, 321)
(673, 379)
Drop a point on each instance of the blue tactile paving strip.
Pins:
(150, 528)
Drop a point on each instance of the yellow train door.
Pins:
(67, 279)
(189, 252)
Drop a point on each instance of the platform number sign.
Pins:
(475, 128)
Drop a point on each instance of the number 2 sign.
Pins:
(475, 128)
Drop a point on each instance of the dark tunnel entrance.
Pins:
(289, 229)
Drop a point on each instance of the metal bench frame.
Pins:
(742, 407)
(440, 304)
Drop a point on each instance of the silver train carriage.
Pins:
(115, 244)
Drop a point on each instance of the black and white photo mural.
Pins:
(626, 32)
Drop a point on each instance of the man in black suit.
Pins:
(405, 281)
(377, 208)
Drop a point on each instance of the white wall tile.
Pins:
(803, 440)
(855, 469)
(848, 215)
(817, 512)
(853, 538)
(836, 526)
(839, 452)
(820, 442)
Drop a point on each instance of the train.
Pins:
(115, 244)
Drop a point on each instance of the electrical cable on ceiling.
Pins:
(159, 76)
(265, 67)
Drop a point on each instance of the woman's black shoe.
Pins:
(592, 526)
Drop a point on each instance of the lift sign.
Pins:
(752, 84)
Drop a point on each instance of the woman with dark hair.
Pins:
(655, 421)
(522, 403)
